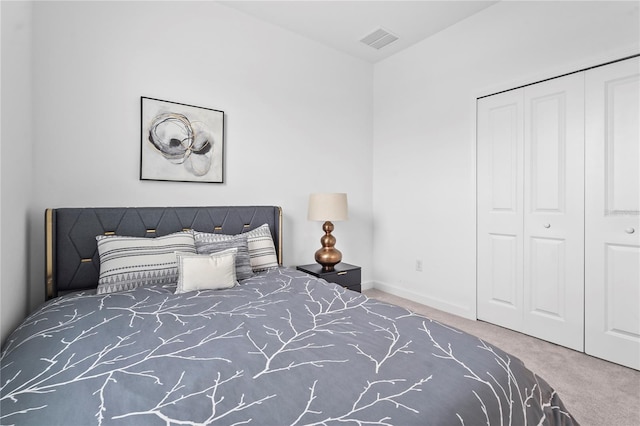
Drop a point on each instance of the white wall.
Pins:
(424, 137)
(298, 117)
(16, 162)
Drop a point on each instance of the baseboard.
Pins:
(452, 308)
(368, 285)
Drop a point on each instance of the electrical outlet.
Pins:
(418, 265)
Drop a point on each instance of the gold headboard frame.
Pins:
(279, 248)
(49, 284)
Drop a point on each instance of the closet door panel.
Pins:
(553, 210)
(622, 300)
(503, 272)
(547, 280)
(621, 145)
(499, 235)
(612, 215)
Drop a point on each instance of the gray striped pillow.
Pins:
(129, 262)
(207, 243)
(262, 251)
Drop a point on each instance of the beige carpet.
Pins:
(596, 392)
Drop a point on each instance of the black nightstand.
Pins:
(346, 275)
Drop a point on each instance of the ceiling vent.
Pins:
(379, 38)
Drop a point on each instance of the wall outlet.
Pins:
(418, 265)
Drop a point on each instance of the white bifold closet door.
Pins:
(500, 199)
(530, 186)
(612, 214)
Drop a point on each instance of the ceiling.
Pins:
(342, 24)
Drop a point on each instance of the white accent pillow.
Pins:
(206, 271)
(262, 252)
(129, 262)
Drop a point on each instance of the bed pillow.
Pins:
(206, 271)
(129, 262)
(210, 243)
(262, 252)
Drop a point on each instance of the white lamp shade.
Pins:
(328, 207)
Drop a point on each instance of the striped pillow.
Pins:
(129, 262)
(262, 252)
(211, 243)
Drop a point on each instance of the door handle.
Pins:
(629, 230)
(547, 225)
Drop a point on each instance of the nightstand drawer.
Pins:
(348, 278)
(344, 274)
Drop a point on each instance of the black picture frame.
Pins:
(180, 142)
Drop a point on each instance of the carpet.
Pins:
(596, 392)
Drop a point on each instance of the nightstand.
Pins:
(348, 276)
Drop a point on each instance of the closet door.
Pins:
(500, 209)
(530, 242)
(612, 215)
(554, 211)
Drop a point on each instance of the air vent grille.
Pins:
(379, 38)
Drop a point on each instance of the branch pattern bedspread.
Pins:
(281, 348)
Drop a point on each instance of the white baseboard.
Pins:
(452, 308)
(368, 285)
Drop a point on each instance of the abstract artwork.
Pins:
(180, 142)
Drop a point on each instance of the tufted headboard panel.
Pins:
(71, 254)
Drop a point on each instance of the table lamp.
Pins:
(328, 207)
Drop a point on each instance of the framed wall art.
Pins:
(179, 142)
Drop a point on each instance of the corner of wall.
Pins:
(15, 160)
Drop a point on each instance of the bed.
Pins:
(279, 347)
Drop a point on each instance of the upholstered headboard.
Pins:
(71, 255)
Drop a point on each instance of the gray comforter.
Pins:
(282, 348)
